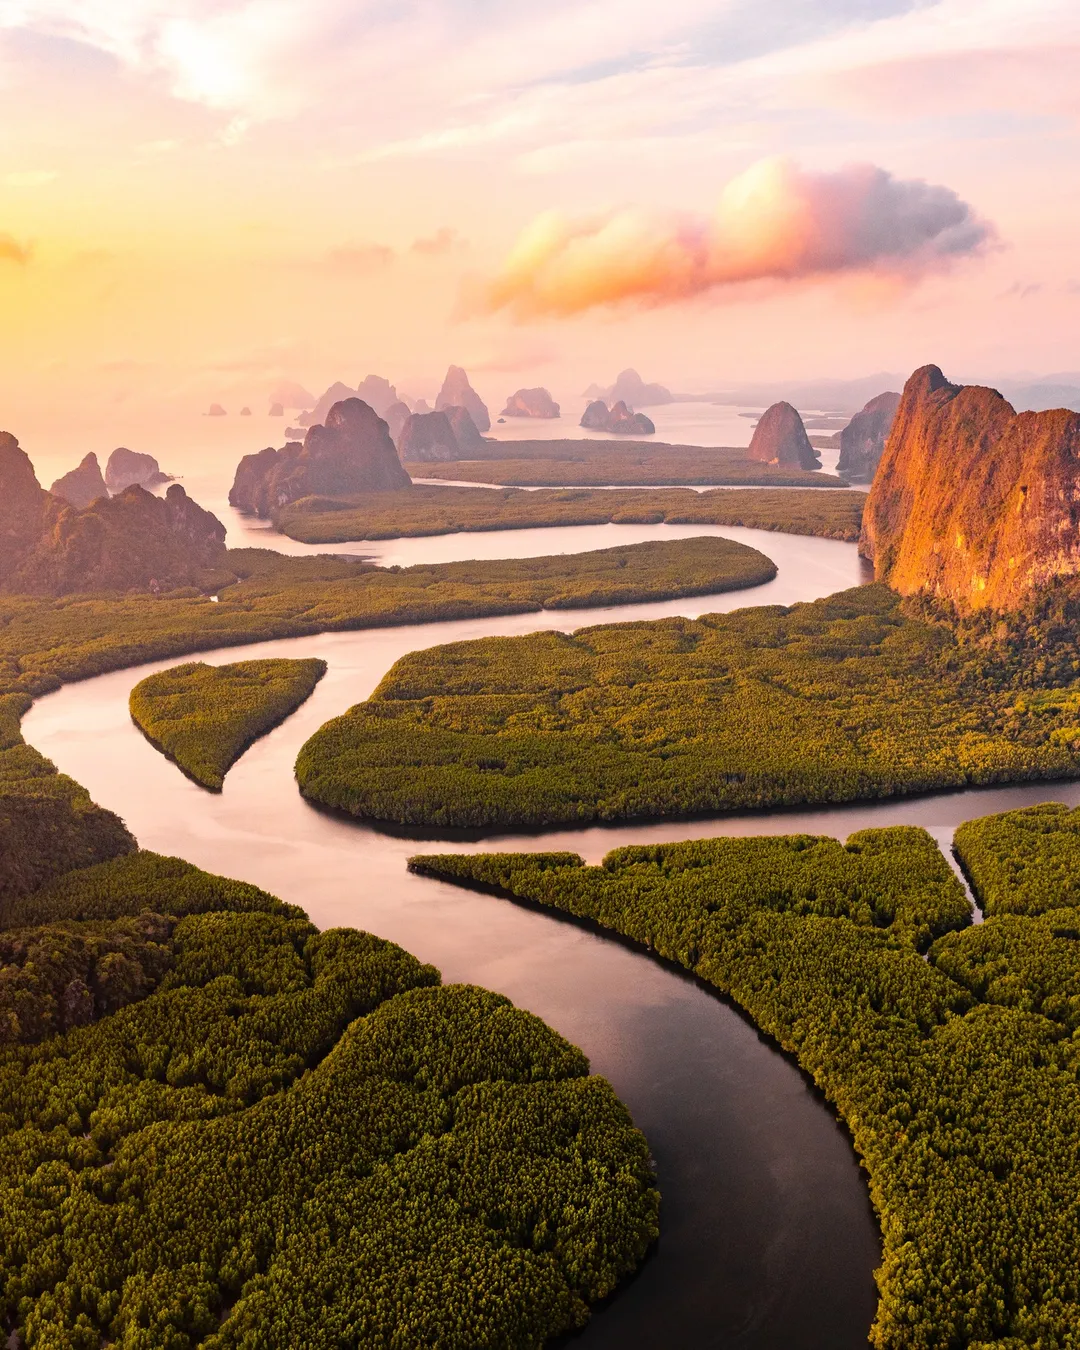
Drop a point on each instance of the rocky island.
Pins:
(862, 441)
(351, 452)
(780, 438)
(126, 467)
(531, 403)
(457, 392)
(974, 504)
(82, 485)
(618, 420)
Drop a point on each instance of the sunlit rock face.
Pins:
(780, 438)
(428, 438)
(974, 503)
(531, 403)
(126, 467)
(457, 392)
(83, 484)
(351, 452)
(862, 441)
(23, 503)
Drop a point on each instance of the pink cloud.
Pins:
(775, 222)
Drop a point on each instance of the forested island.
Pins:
(851, 697)
(210, 1112)
(204, 717)
(956, 1070)
(426, 510)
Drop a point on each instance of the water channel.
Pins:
(768, 1235)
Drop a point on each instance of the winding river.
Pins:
(768, 1235)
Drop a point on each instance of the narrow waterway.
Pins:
(768, 1237)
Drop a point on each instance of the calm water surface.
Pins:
(768, 1236)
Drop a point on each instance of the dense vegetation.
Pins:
(1023, 862)
(48, 824)
(594, 463)
(842, 699)
(205, 717)
(956, 1074)
(424, 510)
(220, 1127)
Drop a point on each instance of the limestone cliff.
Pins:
(133, 541)
(531, 403)
(81, 485)
(351, 452)
(428, 438)
(126, 467)
(457, 392)
(974, 503)
(780, 438)
(466, 432)
(862, 441)
(618, 421)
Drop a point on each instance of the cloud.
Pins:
(12, 251)
(444, 240)
(359, 260)
(775, 222)
(29, 178)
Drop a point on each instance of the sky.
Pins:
(201, 197)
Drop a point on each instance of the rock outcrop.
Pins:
(780, 438)
(531, 403)
(245, 411)
(974, 503)
(428, 438)
(377, 393)
(351, 452)
(862, 441)
(631, 389)
(619, 420)
(395, 418)
(276, 410)
(216, 410)
(23, 503)
(127, 467)
(132, 541)
(83, 485)
(466, 432)
(457, 392)
(337, 393)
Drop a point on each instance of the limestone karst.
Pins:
(131, 541)
(81, 485)
(862, 441)
(974, 503)
(465, 430)
(631, 389)
(457, 392)
(427, 438)
(531, 403)
(126, 467)
(780, 438)
(351, 452)
(618, 420)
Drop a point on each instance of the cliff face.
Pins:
(972, 502)
(395, 418)
(23, 502)
(457, 392)
(82, 485)
(135, 540)
(619, 420)
(862, 441)
(466, 432)
(780, 438)
(126, 467)
(531, 403)
(428, 438)
(352, 452)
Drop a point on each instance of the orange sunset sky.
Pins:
(198, 197)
